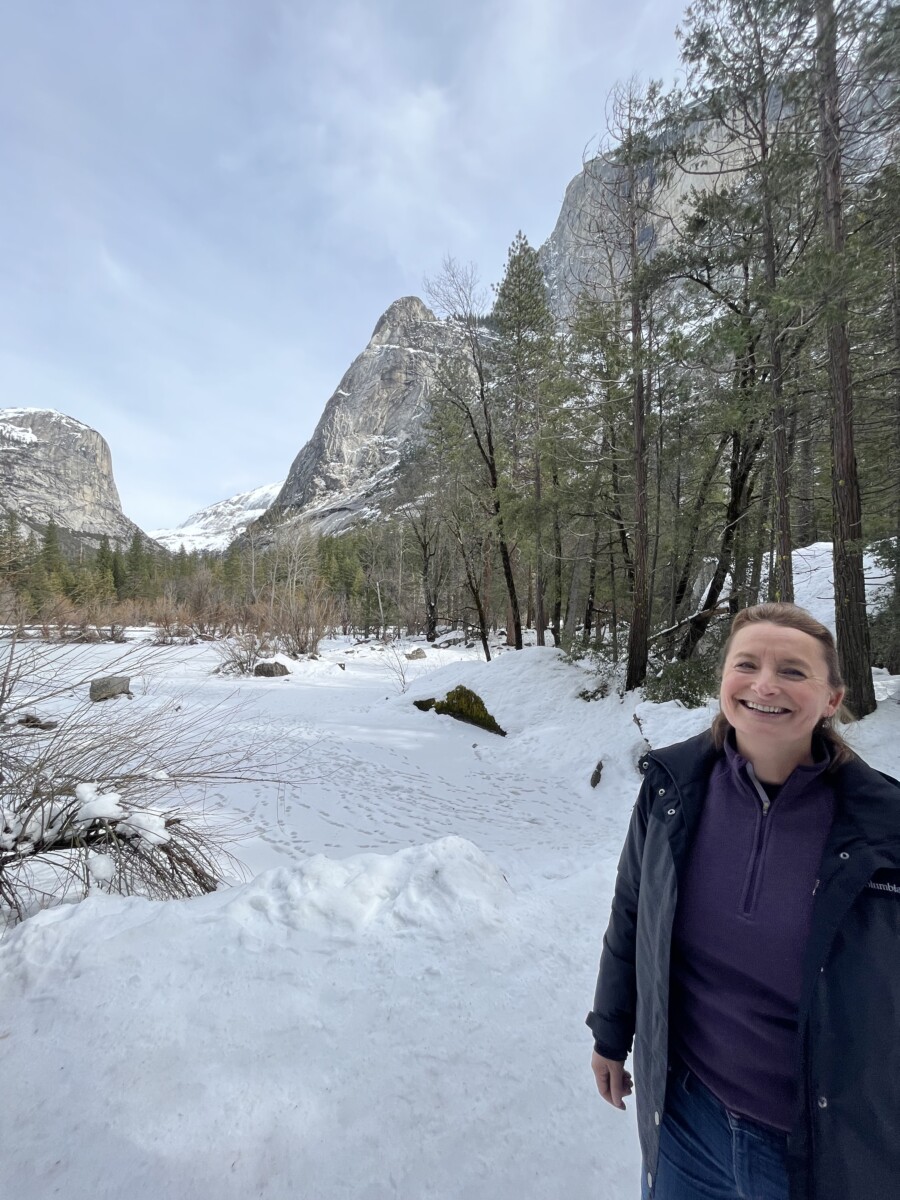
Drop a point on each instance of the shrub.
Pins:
(691, 682)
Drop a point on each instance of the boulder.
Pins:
(465, 705)
(270, 669)
(416, 654)
(107, 687)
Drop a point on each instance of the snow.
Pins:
(393, 1005)
(147, 825)
(12, 435)
(97, 807)
(814, 585)
(215, 527)
(10, 414)
(101, 867)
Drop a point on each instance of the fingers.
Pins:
(613, 1081)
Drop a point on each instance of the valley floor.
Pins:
(393, 1005)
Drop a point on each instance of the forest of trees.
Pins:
(726, 390)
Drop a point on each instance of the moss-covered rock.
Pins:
(465, 705)
(425, 705)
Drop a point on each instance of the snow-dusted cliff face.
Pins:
(54, 467)
(214, 527)
(348, 465)
(587, 247)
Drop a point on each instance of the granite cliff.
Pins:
(348, 467)
(54, 467)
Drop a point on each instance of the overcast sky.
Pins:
(207, 204)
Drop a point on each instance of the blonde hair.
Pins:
(791, 616)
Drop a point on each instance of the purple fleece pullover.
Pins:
(743, 917)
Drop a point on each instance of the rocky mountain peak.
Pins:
(393, 325)
(349, 464)
(217, 525)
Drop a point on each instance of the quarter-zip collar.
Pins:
(799, 779)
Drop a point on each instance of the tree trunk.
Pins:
(639, 633)
(783, 565)
(743, 456)
(540, 616)
(592, 585)
(851, 622)
(556, 619)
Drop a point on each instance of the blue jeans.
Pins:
(709, 1153)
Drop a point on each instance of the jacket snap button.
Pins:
(823, 1102)
(843, 854)
(662, 791)
(671, 812)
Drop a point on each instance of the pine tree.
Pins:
(524, 361)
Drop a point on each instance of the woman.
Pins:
(753, 949)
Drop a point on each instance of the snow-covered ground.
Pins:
(393, 1006)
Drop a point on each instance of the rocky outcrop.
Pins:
(348, 467)
(53, 467)
(215, 527)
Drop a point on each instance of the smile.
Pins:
(763, 708)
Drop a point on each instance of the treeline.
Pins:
(73, 590)
(282, 588)
(727, 387)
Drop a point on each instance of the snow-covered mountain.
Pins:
(53, 467)
(214, 527)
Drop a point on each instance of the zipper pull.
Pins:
(816, 888)
(766, 805)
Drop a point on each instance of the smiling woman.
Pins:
(752, 950)
(779, 682)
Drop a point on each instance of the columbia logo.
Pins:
(885, 887)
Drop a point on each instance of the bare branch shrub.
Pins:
(397, 665)
(172, 622)
(109, 798)
(301, 617)
(242, 650)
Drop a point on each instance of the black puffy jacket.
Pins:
(846, 1140)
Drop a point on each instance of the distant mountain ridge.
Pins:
(216, 526)
(348, 469)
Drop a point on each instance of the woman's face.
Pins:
(775, 690)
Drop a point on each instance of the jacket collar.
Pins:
(868, 802)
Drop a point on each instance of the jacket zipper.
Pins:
(750, 889)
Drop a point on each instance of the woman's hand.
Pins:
(613, 1081)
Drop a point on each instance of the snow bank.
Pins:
(435, 887)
